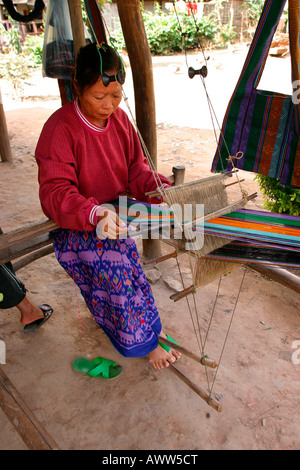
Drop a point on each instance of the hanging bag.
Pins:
(261, 128)
(58, 53)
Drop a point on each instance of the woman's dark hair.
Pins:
(90, 66)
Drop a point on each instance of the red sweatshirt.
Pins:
(82, 166)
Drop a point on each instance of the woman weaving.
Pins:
(89, 154)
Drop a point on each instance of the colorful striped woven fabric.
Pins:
(262, 127)
(256, 236)
(257, 225)
(250, 253)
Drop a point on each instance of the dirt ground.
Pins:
(257, 382)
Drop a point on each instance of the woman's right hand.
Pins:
(110, 225)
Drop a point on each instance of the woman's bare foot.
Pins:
(159, 358)
(29, 312)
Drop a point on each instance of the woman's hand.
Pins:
(110, 225)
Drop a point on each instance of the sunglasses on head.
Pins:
(106, 79)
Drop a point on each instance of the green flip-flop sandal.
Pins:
(100, 368)
(165, 346)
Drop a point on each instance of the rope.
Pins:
(228, 331)
(231, 159)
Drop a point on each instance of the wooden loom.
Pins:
(211, 194)
(206, 270)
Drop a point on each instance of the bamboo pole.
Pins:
(25, 422)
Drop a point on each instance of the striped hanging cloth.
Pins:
(262, 126)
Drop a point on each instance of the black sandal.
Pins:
(35, 325)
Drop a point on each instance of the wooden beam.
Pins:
(280, 275)
(205, 360)
(200, 392)
(5, 149)
(23, 419)
(35, 254)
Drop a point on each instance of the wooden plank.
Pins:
(25, 422)
(34, 236)
(26, 239)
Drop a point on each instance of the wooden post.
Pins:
(179, 173)
(77, 25)
(142, 74)
(5, 149)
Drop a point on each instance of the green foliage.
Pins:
(167, 33)
(15, 38)
(227, 34)
(278, 199)
(33, 49)
(15, 68)
(20, 57)
(254, 9)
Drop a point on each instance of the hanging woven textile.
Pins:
(261, 128)
(95, 21)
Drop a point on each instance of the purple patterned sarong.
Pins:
(114, 287)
